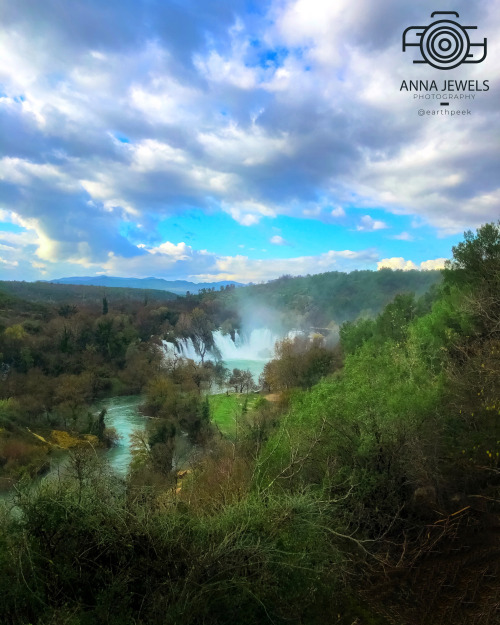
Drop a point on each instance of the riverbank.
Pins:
(35, 454)
(48, 448)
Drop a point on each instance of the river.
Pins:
(123, 415)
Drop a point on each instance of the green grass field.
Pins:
(225, 409)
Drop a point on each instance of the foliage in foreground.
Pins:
(84, 551)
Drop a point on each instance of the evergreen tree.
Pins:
(101, 425)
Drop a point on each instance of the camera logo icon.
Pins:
(445, 44)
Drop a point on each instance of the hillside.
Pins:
(56, 293)
(316, 300)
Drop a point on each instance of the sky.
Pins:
(235, 139)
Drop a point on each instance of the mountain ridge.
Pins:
(179, 287)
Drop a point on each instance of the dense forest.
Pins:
(54, 293)
(317, 300)
(57, 356)
(360, 485)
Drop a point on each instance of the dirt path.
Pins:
(273, 397)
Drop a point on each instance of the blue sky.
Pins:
(234, 140)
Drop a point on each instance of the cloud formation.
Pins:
(169, 261)
(407, 265)
(117, 115)
(369, 224)
(278, 240)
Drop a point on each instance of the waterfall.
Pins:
(249, 350)
(257, 345)
(184, 349)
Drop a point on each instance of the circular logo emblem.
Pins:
(445, 44)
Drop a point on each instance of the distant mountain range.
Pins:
(180, 287)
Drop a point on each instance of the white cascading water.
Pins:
(184, 349)
(258, 345)
(249, 351)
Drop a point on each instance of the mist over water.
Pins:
(249, 350)
(253, 344)
(257, 344)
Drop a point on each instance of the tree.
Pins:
(299, 362)
(162, 446)
(161, 397)
(247, 381)
(354, 334)
(104, 305)
(205, 411)
(15, 333)
(221, 373)
(101, 425)
(241, 380)
(202, 332)
(103, 335)
(393, 322)
(477, 259)
(475, 271)
(235, 379)
(67, 310)
(72, 395)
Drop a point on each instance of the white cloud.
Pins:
(19, 239)
(338, 212)
(164, 100)
(404, 236)
(248, 212)
(24, 172)
(181, 251)
(278, 240)
(227, 70)
(312, 212)
(369, 224)
(426, 177)
(172, 261)
(319, 25)
(396, 263)
(437, 263)
(9, 263)
(152, 155)
(253, 146)
(406, 265)
(244, 269)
